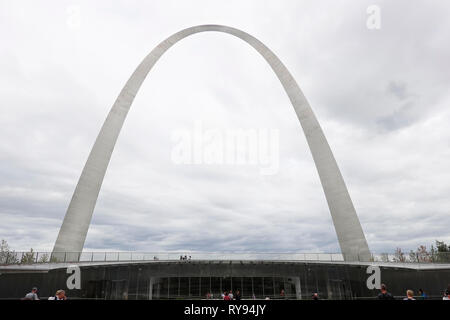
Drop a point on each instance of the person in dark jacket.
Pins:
(384, 294)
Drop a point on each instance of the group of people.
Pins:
(185, 258)
(228, 295)
(59, 295)
(385, 295)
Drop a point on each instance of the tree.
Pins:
(413, 256)
(43, 258)
(399, 256)
(423, 255)
(442, 247)
(6, 255)
(384, 257)
(442, 252)
(28, 257)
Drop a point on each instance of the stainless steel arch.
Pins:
(76, 222)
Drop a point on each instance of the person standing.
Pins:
(238, 295)
(32, 295)
(384, 294)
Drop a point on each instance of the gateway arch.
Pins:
(76, 222)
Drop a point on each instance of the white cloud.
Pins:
(380, 95)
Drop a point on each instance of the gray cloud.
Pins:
(380, 95)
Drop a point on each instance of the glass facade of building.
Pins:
(203, 280)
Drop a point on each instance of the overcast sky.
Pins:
(381, 96)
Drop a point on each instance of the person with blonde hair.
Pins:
(59, 295)
(409, 295)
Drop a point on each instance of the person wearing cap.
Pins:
(32, 295)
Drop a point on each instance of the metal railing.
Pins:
(32, 257)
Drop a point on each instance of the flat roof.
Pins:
(46, 267)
